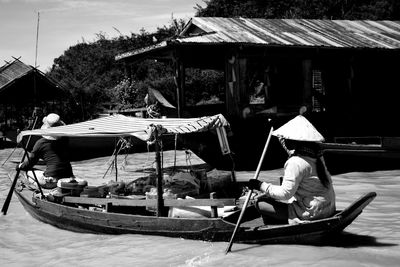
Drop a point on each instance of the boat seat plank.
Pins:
(151, 202)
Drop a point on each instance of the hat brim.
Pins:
(46, 125)
(299, 129)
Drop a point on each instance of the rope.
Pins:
(153, 111)
(188, 156)
(121, 144)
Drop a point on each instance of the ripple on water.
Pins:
(371, 240)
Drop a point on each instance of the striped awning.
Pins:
(119, 126)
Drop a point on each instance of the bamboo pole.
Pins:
(14, 183)
(160, 200)
(250, 192)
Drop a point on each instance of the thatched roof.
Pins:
(23, 83)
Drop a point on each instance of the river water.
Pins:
(373, 239)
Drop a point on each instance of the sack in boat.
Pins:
(218, 180)
(182, 184)
(116, 188)
(138, 186)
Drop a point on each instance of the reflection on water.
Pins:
(371, 240)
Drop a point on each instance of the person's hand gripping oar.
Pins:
(250, 192)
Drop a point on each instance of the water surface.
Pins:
(371, 240)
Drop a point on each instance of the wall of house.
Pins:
(361, 93)
(346, 92)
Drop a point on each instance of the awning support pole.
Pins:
(115, 160)
(160, 200)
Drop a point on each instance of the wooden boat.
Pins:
(133, 218)
(377, 147)
(141, 215)
(348, 154)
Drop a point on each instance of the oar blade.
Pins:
(4, 209)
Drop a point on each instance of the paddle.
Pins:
(8, 199)
(10, 193)
(250, 192)
(9, 156)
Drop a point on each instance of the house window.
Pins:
(318, 91)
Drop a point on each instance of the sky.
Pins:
(65, 23)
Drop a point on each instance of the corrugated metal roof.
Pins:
(284, 32)
(294, 32)
(12, 71)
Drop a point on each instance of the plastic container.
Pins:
(72, 186)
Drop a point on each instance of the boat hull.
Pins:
(208, 229)
(343, 158)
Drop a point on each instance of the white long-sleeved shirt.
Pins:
(309, 199)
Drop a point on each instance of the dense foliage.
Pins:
(96, 81)
(306, 9)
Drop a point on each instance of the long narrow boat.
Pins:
(362, 154)
(70, 215)
(131, 215)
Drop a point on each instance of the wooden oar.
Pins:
(9, 156)
(10, 193)
(14, 183)
(250, 192)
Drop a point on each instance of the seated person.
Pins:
(306, 191)
(54, 152)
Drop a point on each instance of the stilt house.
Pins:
(341, 74)
(22, 89)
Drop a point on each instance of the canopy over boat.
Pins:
(120, 125)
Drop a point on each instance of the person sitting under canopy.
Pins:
(54, 152)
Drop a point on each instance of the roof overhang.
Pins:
(220, 33)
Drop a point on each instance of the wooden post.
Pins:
(232, 84)
(182, 78)
(214, 209)
(115, 159)
(307, 83)
(179, 79)
(109, 206)
(160, 200)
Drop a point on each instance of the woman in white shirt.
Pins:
(306, 191)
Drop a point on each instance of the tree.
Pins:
(89, 71)
(305, 9)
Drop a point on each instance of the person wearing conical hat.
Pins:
(306, 191)
(54, 152)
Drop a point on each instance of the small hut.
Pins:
(23, 89)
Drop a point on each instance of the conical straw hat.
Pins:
(299, 129)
